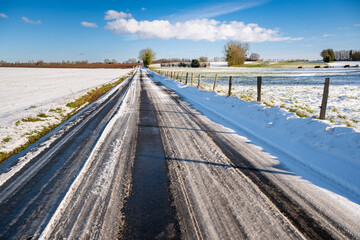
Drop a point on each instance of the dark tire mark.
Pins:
(149, 213)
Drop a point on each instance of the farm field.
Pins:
(296, 90)
(33, 99)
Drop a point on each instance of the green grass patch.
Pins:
(32, 119)
(93, 95)
(301, 114)
(348, 124)
(42, 115)
(57, 110)
(341, 116)
(32, 106)
(5, 140)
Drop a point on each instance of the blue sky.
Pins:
(54, 30)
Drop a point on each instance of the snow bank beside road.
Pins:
(323, 153)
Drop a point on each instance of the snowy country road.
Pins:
(141, 163)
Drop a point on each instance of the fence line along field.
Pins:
(297, 90)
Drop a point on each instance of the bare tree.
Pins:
(203, 59)
(254, 57)
(130, 60)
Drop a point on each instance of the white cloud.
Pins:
(112, 14)
(3, 15)
(26, 20)
(199, 29)
(89, 24)
(356, 25)
(213, 10)
(143, 9)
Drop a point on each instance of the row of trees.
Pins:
(235, 54)
(330, 55)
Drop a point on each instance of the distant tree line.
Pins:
(329, 55)
(63, 62)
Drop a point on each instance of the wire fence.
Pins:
(306, 96)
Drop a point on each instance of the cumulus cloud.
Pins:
(26, 20)
(199, 29)
(89, 24)
(112, 14)
(3, 15)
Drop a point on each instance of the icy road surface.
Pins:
(81, 182)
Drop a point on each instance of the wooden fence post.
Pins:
(187, 74)
(192, 79)
(259, 80)
(181, 77)
(230, 84)
(216, 77)
(199, 81)
(324, 99)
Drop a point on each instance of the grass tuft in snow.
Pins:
(5, 140)
(42, 115)
(31, 119)
(93, 95)
(57, 110)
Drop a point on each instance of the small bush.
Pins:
(195, 63)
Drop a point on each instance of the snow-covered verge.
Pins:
(32, 99)
(324, 153)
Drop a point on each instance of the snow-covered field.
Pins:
(343, 63)
(324, 153)
(296, 90)
(28, 92)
